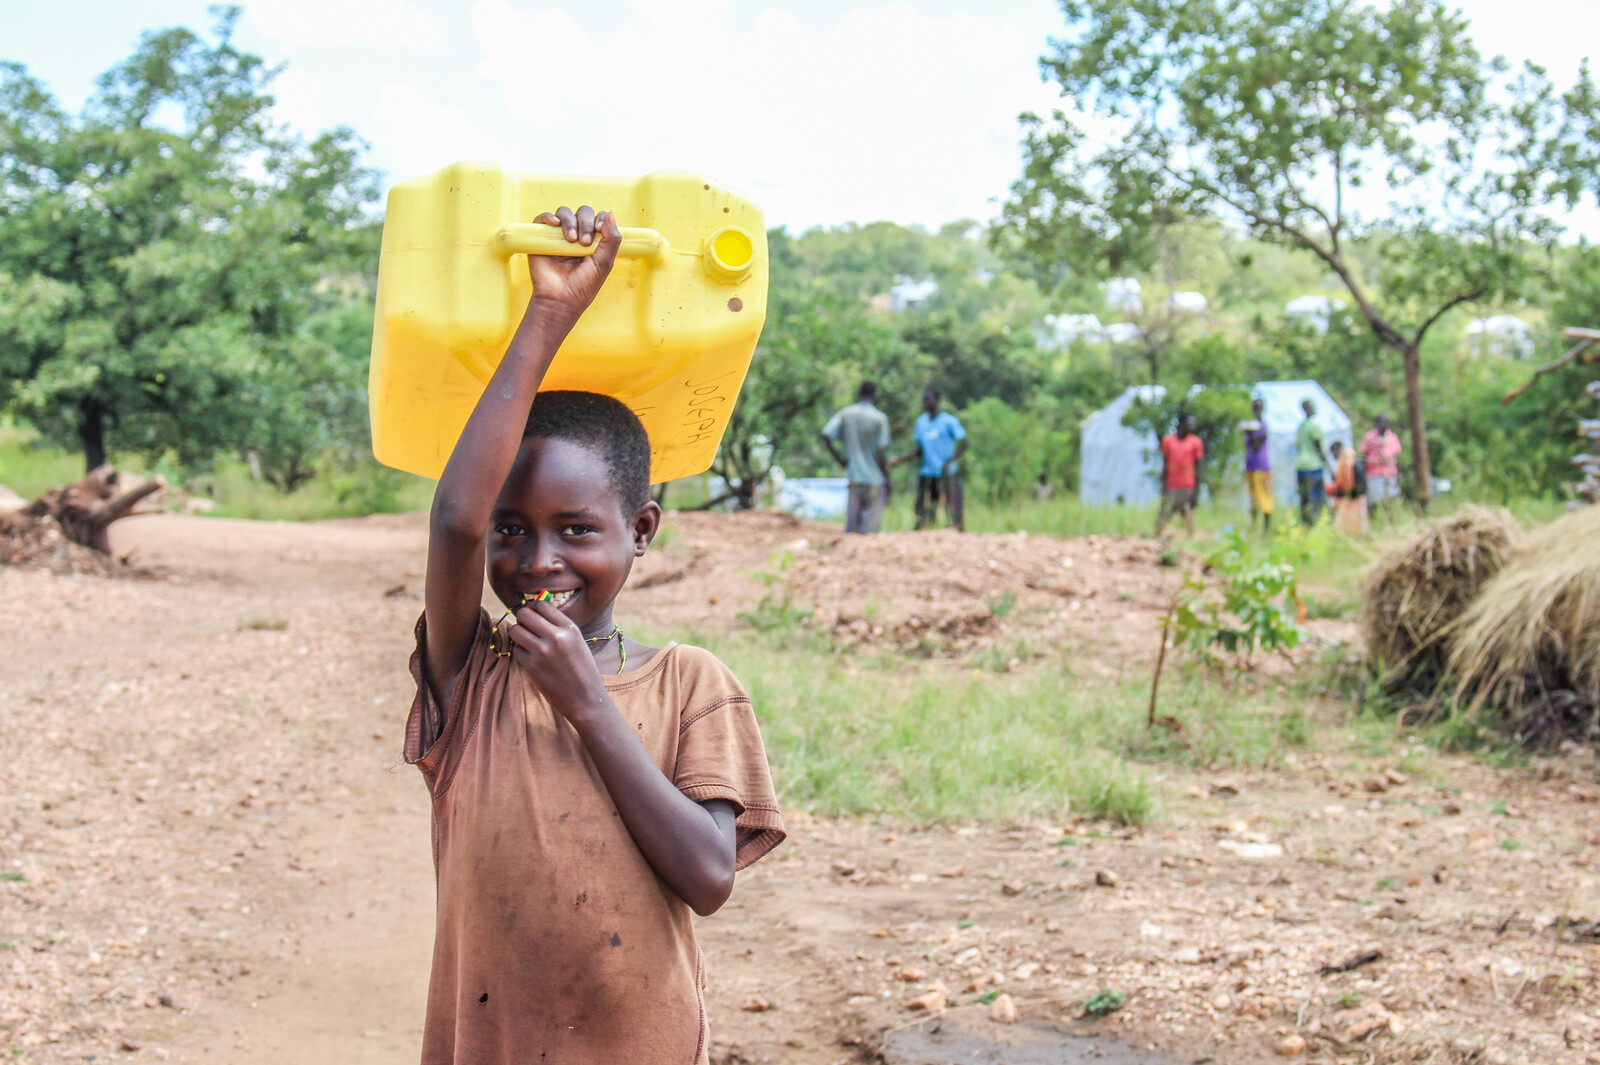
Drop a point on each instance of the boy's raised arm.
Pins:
(563, 287)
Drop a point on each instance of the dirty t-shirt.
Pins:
(556, 942)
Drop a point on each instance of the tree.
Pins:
(165, 248)
(813, 353)
(1273, 114)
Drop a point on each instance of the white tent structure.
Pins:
(1314, 311)
(1123, 294)
(1119, 464)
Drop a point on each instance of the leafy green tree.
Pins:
(971, 362)
(1268, 113)
(162, 253)
(815, 350)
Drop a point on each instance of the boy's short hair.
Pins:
(603, 425)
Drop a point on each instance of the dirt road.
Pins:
(210, 853)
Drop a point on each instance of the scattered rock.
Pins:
(1365, 1026)
(1187, 956)
(755, 1004)
(909, 975)
(1002, 1010)
(1395, 777)
(844, 869)
(1012, 888)
(1291, 1046)
(1105, 878)
(952, 874)
(931, 1000)
(1373, 784)
(1245, 849)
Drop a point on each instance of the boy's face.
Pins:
(560, 525)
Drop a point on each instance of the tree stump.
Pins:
(80, 513)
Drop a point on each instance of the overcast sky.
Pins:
(822, 110)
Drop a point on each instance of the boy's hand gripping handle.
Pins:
(536, 238)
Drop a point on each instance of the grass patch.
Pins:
(853, 733)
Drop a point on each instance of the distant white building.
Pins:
(1505, 335)
(1313, 311)
(1123, 332)
(1122, 294)
(1192, 302)
(1062, 330)
(906, 292)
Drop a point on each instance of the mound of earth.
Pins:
(935, 593)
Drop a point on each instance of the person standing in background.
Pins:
(863, 429)
(1380, 447)
(1181, 453)
(1258, 466)
(1349, 491)
(1309, 462)
(941, 441)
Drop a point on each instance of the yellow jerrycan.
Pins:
(671, 333)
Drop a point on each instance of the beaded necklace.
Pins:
(508, 619)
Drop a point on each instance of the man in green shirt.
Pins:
(1308, 465)
(863, 429)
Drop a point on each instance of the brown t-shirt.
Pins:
(556, 942)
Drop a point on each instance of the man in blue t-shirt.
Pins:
(941, 440)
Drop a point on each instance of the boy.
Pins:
(1258, 465)
(863, 430)
(1181, 453)
(1309, 463)
(941, 441)
(588, 791)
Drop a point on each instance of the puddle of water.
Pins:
(942, 1042)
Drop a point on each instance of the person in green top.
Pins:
(863, 430)
(1308, 465)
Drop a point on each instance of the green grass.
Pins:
(855, 734)
(28, 466)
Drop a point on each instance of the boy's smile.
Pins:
(560, 526)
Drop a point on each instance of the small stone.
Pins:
(1002, 1010)
(1225, 787)
(932, 1000)
(1365, 1027)
(909, 975)
(1012, 888)
(881, 932)
(844, 869)
(1395, 777)
(129, 1045)
(1105, 878)
(1291, 1046)
(1052, 926)
(1451, 808)
(1168, 861)
(755, 1004)
(1373, 784)
(1187, 956)
(952, 874)
(1222, 1002)
(1026, 970)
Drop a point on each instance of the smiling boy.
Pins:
(588, 791)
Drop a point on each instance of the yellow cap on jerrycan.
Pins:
(670, 334)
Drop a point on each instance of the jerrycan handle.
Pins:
(536, 238)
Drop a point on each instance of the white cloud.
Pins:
(340, 23)
(423, 136)
(300, 101)
(881, 113)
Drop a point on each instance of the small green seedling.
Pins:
(1106, 1001)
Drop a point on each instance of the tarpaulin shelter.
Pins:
(1121, 464)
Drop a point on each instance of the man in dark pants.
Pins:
(1309, 462)
(941, 441)
(863, 429)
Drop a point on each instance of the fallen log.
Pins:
(80, 513)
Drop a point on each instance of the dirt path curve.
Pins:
(208, 852)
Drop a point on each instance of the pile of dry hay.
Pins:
(1529, 645)
(1416, 593)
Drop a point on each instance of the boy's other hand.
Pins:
(568, 284)
(553, 651)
